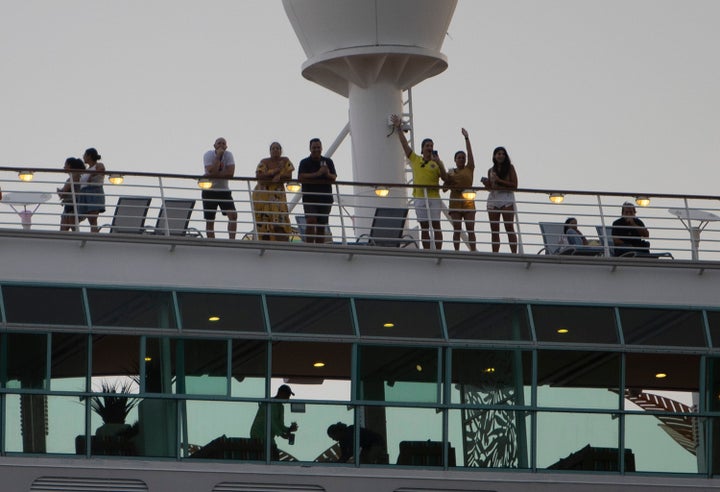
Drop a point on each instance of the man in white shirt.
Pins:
(219, 166)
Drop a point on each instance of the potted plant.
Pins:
(113, 407)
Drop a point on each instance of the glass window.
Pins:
(310, 315)
(663, 444)
(157, 428)
(221, 311)
(714, 325)
(490, 438)
(578, 379)
(43, 305)
(160, 364)
(487, 321)
(206, 367)
(26, 360)
(408, 374)
(491, 377)
(574, 324)
(115, 357)
(674, 327)
(131, 308)
(407, 319)
(652, 375)
(578, 441)
(323, 369)
(68, 364)
(249, 368)
(414, 437)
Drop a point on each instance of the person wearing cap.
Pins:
(628, 233)
(277, 421)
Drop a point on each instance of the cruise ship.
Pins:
(139, 358)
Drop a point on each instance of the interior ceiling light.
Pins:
(489, 370)
(214, 318)
(319, 364)
(418, 368)
(660, 375)
(148, 359)
(562, 331)
(389, 325)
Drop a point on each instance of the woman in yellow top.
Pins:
(462, 209)
(269, 203)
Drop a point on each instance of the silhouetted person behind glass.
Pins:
(277, 421)
(372, 445)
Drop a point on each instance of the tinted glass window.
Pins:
(26, 357)
(714, 325)
(486, 321)
(662, 327)
(408, 319)
(132, 308)
(43, 305)
(310, 315)
(398, 374)
(221, 311)
(572, 324)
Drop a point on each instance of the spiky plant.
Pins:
(115, 405)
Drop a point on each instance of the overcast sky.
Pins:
(614, 95)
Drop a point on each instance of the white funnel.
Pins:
(370, 51)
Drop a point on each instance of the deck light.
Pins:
(642, 200)
(204, 183)
(382, 191)
(26, 176)
(293, 186)
(116, 179)
(469, 194)
(557, 197)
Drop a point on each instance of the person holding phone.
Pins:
(316, 174)
(501, 180)
(427, 170)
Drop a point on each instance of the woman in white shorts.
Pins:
(501, 181)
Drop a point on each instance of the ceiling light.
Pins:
(660, 375)
(204, 183)
(26, 175)
(642, 200)
(214, 318)
(319, 364)
(562, 331)
(148, 359)
(293, 186)
(116, 179)
(389, 325)
(489, 370)
(557, 197)
(418, 368)
(382, 191)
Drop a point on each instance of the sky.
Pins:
(612, 95)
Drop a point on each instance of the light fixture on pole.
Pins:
(116, 179)
(293, 186)
(204, 183)
(26, 175)
(469, 194)
(557, 197)
(382, 190)
(642, 200)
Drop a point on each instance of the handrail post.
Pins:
(520, 248)
(340, 209)
(605, 239)
(256, 233)
(166, 225)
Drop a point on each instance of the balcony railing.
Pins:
(686, 226)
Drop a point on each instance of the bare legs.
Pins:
(232, 226)
(425, 234)
(457, 221)
(508, 218)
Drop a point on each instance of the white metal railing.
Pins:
(685, 225)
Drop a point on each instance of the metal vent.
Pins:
(250, 487)
(79, 484)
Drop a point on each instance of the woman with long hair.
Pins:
(462, 209)
(91, 202)
(501, 181)
(69, 194)
(269, 202)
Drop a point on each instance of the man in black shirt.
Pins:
(372, 445)
(317, 174)
(628, 233)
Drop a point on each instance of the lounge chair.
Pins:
(553, 232)
(130, 214)
(174, 219)
(387, 230)
(605, 235)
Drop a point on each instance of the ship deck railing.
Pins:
(687, 227)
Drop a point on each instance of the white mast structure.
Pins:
(370, 51)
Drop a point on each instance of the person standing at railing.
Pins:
(91, 201)
(269, 202)
(628, 233)
(70, 193)
(501, 181)
(316, 174)
(219, 166)
(462, 209)
(427, 171)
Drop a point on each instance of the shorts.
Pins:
(321, 211)
(91, 200)
(423, 205)
(500, 199)
(214, 199)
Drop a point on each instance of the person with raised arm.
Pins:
(462, 209)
